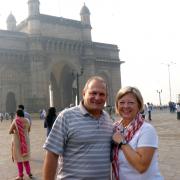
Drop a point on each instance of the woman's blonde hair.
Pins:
(133, 90)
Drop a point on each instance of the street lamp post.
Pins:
(169, 77)
(159, 92)
(169, 82)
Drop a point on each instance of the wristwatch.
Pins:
(123, 142)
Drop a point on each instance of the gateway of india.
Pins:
(45, 61)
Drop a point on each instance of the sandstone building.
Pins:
(45, 60)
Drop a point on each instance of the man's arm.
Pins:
(50, 165)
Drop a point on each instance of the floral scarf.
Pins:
(128, 134)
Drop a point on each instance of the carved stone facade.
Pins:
(41, 60)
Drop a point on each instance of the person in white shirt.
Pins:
(135, 150)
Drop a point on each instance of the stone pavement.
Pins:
(168, 128)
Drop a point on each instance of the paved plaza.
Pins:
(168, 128)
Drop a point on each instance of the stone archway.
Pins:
(61, 81)
(10, 103)
(109, 106)
(66, 87)
(106, 78)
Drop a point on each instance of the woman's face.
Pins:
(128, 107)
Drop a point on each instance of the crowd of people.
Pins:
(6, 116)
(84, 143)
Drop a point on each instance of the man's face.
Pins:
(94, 97)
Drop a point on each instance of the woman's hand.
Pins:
(117, 137)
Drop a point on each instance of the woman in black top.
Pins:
(50, 118)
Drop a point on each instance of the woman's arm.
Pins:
(139, 158)
(29, 124)
(12, 128)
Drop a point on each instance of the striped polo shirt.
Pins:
(83, 142)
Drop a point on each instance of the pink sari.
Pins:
(22, 138)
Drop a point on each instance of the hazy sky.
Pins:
(147, 33)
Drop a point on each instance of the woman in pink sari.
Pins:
(20, 128)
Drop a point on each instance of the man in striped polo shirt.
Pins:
(80, 138)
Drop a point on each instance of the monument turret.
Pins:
(33, 7)
(33, 15)
(11, 22)
(85, 20)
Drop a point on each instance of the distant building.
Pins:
(41, 57)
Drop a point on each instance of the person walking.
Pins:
(135, 151)
(21, 144)
(81, 138)
(43, 114)
(149, 109)
(50, 118)
(1, 117)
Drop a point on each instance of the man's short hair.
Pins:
(21, 106)
(98, 78)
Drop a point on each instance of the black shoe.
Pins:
(30, 176)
